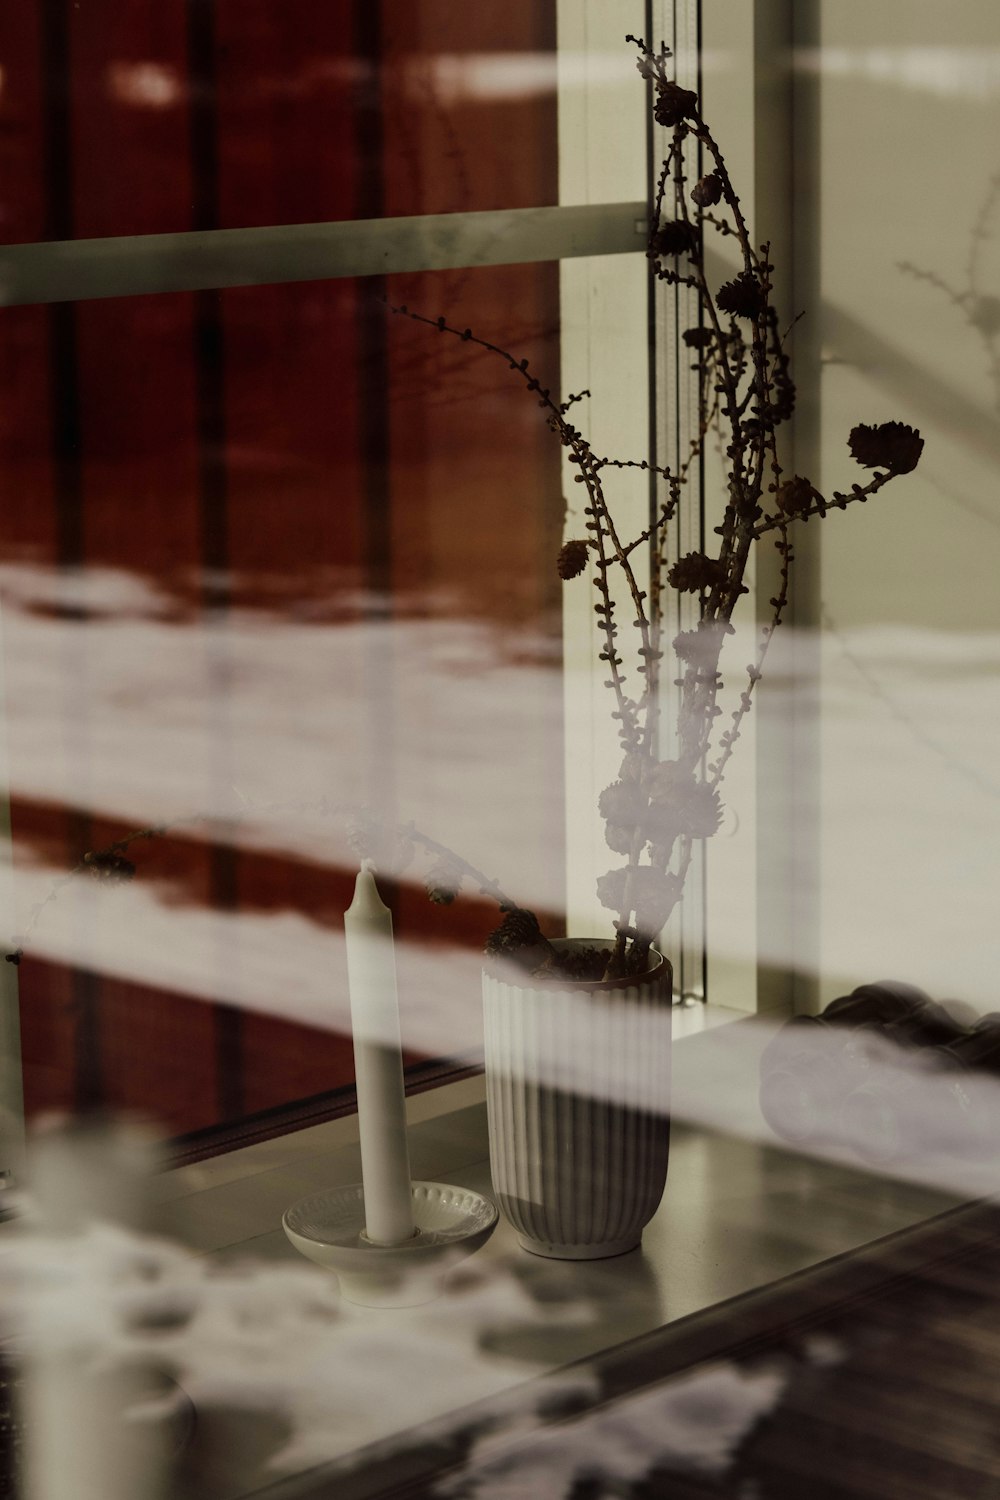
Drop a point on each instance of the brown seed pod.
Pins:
(572, 559)
(675, 237)
(673, 104)
(707, 191)
(795, 496)
(743, 297)
(890, 445)
(694, 573)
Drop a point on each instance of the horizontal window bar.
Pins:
(79, 270)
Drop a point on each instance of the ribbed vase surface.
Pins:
(578, 1095)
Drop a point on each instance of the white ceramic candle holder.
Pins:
(451, 1222)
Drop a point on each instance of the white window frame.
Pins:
(733, 941)
(756, 958)
(596, 128)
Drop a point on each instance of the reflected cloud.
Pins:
(893, 849)
(694, 1423)
(278, 964)
(861, 1100)
(146, 85)
(946, 72)
(498, 76)
(265, 724)
(277, 1342)
(451, 721)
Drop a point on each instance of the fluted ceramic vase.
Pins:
(578, 1096)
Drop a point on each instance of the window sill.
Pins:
(326, 1154)
(739, 1214)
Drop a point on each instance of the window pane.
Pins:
(276, 547)
(152, 118)
(905, 113)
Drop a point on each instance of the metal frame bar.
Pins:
(674, 420)
(200, 260)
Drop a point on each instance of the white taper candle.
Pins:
(378, 1064)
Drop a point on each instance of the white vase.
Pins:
(578, 1097)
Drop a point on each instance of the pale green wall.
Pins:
(909, 788)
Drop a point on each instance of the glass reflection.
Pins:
(284, 553)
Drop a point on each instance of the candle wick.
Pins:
(368, 865)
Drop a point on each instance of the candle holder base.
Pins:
(451, 1222)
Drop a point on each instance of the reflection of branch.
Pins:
(365, 831)
(980, 232)
(980, 309)
(985, 512)
(755, 669)
(448, 382)
(916, 731)
(422, 86)
(436, 384)
(107, 864)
